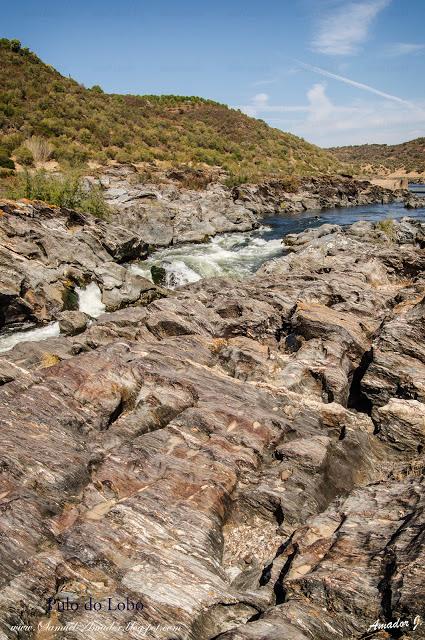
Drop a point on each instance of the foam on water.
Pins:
(33, 335)
(90, 300)
(179, 273)
(233, 254)
(241, 254)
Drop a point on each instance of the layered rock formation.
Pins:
(243, 458)
(165, 214)
(413, 201)
(46, 254)
(314, 193)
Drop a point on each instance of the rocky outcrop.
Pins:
(412, 201)
(312, 193)
(398, 362)
(165, 213)
(72, 322)
(236, 457)
(46, 254)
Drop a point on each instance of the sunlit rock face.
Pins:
(54, 260)
(242, 457)
(165, 214)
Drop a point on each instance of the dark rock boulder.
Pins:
(72, 322)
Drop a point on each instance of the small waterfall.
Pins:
(90, 300)
(33, 335)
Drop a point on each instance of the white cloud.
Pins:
(362, 123)
(341, 32)
(260, 104)
(318, 109)
(261, 99)
(320, 105)
(403, 49)
(328, 124)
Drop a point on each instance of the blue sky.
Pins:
(331, 71)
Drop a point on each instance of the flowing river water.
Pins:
(230, 254)
(241, 254)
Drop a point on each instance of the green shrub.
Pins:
(24, 156)
(73, 154)
(5, 173)
(388, 228)
(85, 136)
(10, 141)
(93, 202)
(234, 180)
(123, 157)
(142, 155)
(15, 45)
(100, 157)
(6, 162)
(79, 123)
(65, 190)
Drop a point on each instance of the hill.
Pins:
(407, 157)
(74, 124)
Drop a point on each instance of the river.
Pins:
(241, 254)
(230, 254)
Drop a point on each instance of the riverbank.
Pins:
(165, 213)
(241, 254)
(51, 258)
(229, 453)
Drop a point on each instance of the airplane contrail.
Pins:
(359, 85)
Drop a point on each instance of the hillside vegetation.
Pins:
(408, 156)
(44, 115)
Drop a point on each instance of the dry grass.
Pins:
(40, 148)
(49, 360)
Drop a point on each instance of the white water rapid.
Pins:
(90, 300)
(232, 254)
(33, 335)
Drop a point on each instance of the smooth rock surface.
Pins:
(72, 322)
